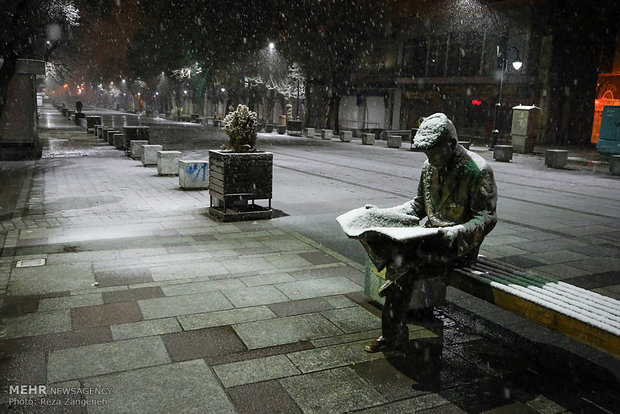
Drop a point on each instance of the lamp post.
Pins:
(502, 54)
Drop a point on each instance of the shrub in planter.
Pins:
(240, 126)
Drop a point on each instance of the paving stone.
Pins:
(91, 360)
(557, 256)
(323, 271)
(50, 278)
(548, 245)
(268, 279)
(244, 265)
(598, 264)
(597, 280)
(27, 368)
(70, 302)
(319, 258)
(201, 343)
(597, 250)
(102, 315)
(19, 305)
(262, 398)
(188, 387)
(227, 317)
(199, 287)
(187, 271)
(133, 294)
(123, 277)
(214, 360)
(61, 340)
(285, 330)
(332, 356)
(366, 336)
(354, 319)
(287, 261)
(387, 379)
(254, 296)
(559, 271)
(39, 323)
(522, 262)
(339, 301)
(255, 370)
(298, 307)
(145, 328)
(412, 405)
(182, 305)
(306, 289)
(544, 405)
(334, 391)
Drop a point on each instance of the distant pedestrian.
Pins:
(78, 106)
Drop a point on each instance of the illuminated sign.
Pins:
(476, 102)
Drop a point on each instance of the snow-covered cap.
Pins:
(432, 130)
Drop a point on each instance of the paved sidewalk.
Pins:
(146, 299)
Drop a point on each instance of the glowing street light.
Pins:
(272, 46)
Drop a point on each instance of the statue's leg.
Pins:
(394, 331)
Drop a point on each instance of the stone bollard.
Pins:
(309, 132)
(394, 141)
(193, 175)
(346, 136)
(465, 144)
(96, 129)
(110, 135)
(119, 141)
(135, 148)
(327, 134)
(502, 153)
(101, 132)
(149, 154)
(91, 121)
(555, 158)
(368, 138)
(614, 164)
(168, 162)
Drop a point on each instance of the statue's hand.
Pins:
(449, 233)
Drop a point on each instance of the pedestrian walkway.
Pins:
(116, 284)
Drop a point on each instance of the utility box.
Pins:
(609, 134)
(524, 129)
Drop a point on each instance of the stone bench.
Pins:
(327, 134)
(309, 132)
(394, 141)
(502, 153)
(149, 154)
(135, 148)
(403, 133)
(555, 158)
(465, 144)
(193, 174)
(168, 162)
(583, 315)
(346, 136)
(368, 138)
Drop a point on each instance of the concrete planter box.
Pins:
(96, 129)
(522, 144)
(193, 174)
(368, 138)
(294, 128)
(118, 140)
(281, 129)
(269, 128)
(309, 132)
(235, 178)
(327, 134)
(556, 158)
(135, 132)
(135, 148)
(149, 154)
(77, 117)
(70, 113)
(346, 136)
(110, 135)
(91, 121)
(394, 141)
(502, 153)
(168, 162)
(614, 165)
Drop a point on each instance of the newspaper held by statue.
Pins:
(389, 236)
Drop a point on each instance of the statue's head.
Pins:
(437, 137)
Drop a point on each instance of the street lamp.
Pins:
(502, 54)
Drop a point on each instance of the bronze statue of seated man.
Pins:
(443, 226)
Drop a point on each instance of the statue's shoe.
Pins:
(386, 288)
(382, 344)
